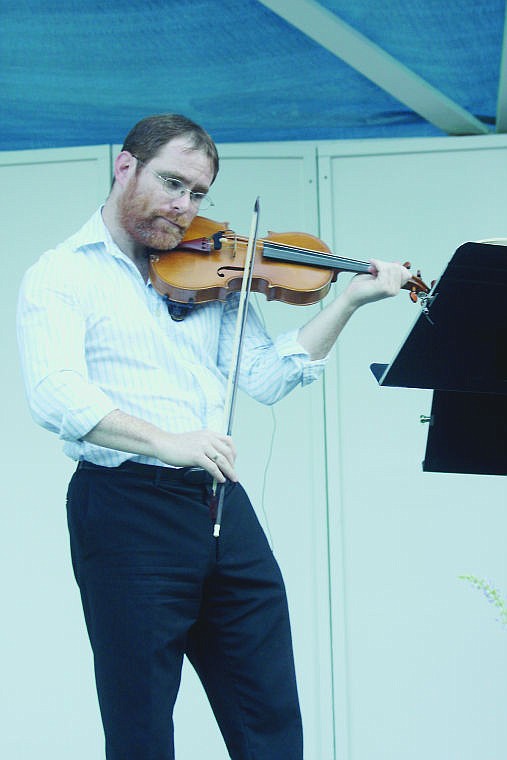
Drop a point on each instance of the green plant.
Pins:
(491, 594)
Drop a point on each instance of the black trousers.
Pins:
(155, 585)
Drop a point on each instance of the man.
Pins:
(137, 398)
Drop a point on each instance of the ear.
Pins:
(124, 167)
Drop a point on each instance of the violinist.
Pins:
(137, 399)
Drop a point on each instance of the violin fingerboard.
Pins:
(314, 258)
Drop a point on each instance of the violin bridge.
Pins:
(232, 242)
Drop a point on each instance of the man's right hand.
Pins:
(212, 451)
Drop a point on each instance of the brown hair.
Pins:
(153, 132)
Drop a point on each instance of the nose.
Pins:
(182, 203)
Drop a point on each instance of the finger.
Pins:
(221, 444)
(393, 272)
(221, 468)
(225, 445)
(207, 462)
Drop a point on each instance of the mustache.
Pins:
(178, 220)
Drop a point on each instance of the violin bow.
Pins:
(232, 381)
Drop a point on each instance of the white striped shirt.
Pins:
(95, 337)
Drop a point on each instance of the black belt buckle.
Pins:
(196, 476)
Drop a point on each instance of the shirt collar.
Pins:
(95, 234)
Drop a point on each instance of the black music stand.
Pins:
(458, 348)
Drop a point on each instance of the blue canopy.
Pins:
(77, 73)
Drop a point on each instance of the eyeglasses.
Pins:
(176, 189)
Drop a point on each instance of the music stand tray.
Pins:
(458, 348)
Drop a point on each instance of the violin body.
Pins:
(293, 267)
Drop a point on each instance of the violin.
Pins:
(292, 267)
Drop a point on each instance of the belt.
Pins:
(191, 475)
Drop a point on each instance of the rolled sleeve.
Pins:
(269, 369)
(67, 405)
(50, 329)
(287, 345)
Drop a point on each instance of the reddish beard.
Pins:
(147, 227)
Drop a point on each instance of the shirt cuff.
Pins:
(69, 406)
(288, 345)
(79, 423)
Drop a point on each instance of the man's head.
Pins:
(149, 135)
(166, 165)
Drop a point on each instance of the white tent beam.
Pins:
(501, 107)
(373, 62)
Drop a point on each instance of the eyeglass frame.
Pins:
(196, 199)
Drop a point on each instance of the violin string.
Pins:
(325, 257)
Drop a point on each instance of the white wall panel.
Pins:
(47, 700)
(420, 663)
